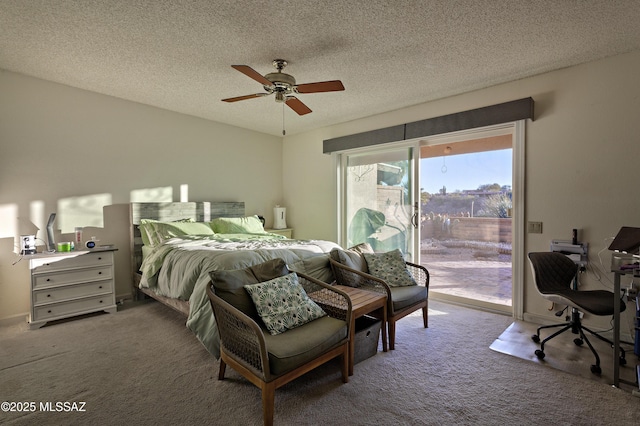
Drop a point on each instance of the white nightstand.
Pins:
(287, 232)
(69, 284)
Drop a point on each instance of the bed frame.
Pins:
(198, 211)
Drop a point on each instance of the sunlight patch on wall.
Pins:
(36, 223)
(8, 220)
(184, 193)
(163, 194)
(81, 212)
(36, 219)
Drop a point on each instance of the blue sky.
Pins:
(465, 171)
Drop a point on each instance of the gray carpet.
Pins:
(142, 366)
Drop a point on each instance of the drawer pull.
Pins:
(48, 279)
(49, 311)
(100, 273)
(99, 258)
(100, 287)
(48, 295)
(101, 301)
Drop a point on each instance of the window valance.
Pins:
(480, 117)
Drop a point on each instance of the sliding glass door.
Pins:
(466, 238)
(387, 200)
(378, 200)
(471, 193)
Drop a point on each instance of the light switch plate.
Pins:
(534, 227)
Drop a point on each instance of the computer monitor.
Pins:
(627, 240)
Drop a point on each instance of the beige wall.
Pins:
(60, 143)
(582, 160)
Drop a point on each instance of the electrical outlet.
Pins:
(534, 227)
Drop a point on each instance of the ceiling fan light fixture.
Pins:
(284, 86)
(281, 78)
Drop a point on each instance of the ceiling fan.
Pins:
(284, 86)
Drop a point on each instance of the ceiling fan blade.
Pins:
(242, 98)
(321, 86)
(297, 105)
(250, 72)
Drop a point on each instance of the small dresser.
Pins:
(69, 284)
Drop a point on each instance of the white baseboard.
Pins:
(4, 322)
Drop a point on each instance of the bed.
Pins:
(174, 246)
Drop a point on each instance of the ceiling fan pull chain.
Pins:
(283, 132)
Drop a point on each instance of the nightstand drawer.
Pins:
(65, 293)
(72, 277)
(64, 309)
(81, 260)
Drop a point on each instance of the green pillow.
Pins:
(146, 229)
(362, 248)
(283, 304)
(158, 232)
(237, 225)
(316, 267)
(352, 257)
(389, 267)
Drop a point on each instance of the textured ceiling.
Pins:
(177, 55)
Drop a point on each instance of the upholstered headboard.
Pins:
(167, 212)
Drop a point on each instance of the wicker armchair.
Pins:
(401, 301)
(270, 361)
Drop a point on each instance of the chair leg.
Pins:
(268, 402)
(576, 327)
(566, 327)
(392, 335)
(221, 371)
(604, 339)
(551, 326)
(596, 367)
(344, 362)
(425, 316)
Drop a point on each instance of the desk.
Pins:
(616, 323)
(364, 302)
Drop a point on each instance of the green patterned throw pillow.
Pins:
(389, 267)
(283, 304)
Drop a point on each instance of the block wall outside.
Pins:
(487, 229)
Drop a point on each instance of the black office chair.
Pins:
(555, 275)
